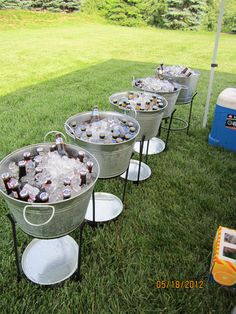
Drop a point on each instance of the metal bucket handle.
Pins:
(184, 87)
(54, 132)
(38, 206)
(70, 128)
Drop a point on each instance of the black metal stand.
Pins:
(20, 273)
(94, 223)
(140, 158)
(17, 260)
(186, 123)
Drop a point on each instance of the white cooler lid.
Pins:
(227, 98)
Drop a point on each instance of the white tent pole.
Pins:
(213, 64)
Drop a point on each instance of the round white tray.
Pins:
(48, 262)
(145, 171)
(107, 207)
(156, 146)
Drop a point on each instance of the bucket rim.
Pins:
(4, 195)
(177, 85)
(139, 111)
(196, 73)
(100, 144)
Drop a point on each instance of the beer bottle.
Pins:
(60, 145)
(83, 177)
(14, 187)
(90, 166)
(6, 179)
(40, 151)
(24, 195)
(26, 156)
(42, 197)
(73, 124)
(22, 169)
(130, 95)
(67, 181)
(184, 70)
(81, 155)
(95, 114)
(53, 148)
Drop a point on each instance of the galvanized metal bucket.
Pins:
(49, 220)
(149, 120)
(190, 82)
(171, 97)
(112, 158)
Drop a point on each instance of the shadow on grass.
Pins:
(28, 113)
(169, 223)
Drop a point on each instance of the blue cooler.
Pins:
(223, 132)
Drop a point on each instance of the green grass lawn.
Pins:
(55, 65)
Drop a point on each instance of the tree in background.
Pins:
(51, 5)
(154, 12)
(9, 4)
(123, 12)
(184, 14)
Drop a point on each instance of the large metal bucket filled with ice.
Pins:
(112, 148)
(147, 107)
(167, 89)
(35, 212)
(183, 76)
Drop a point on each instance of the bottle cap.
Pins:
(66, 194)
(119, 140)
(26, 155)
(115, 135)
(5, 176)
(37, 159)
(102, 135)
(38, 170)
(67, 181)
(21, 163)
(128, 136)
(81, 155)
(43, 197)
(24, 194)
(90, 166)
(39, 150)
(48, 180)
(13, 184)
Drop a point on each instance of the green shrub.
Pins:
(184, 14)
(51, 5)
